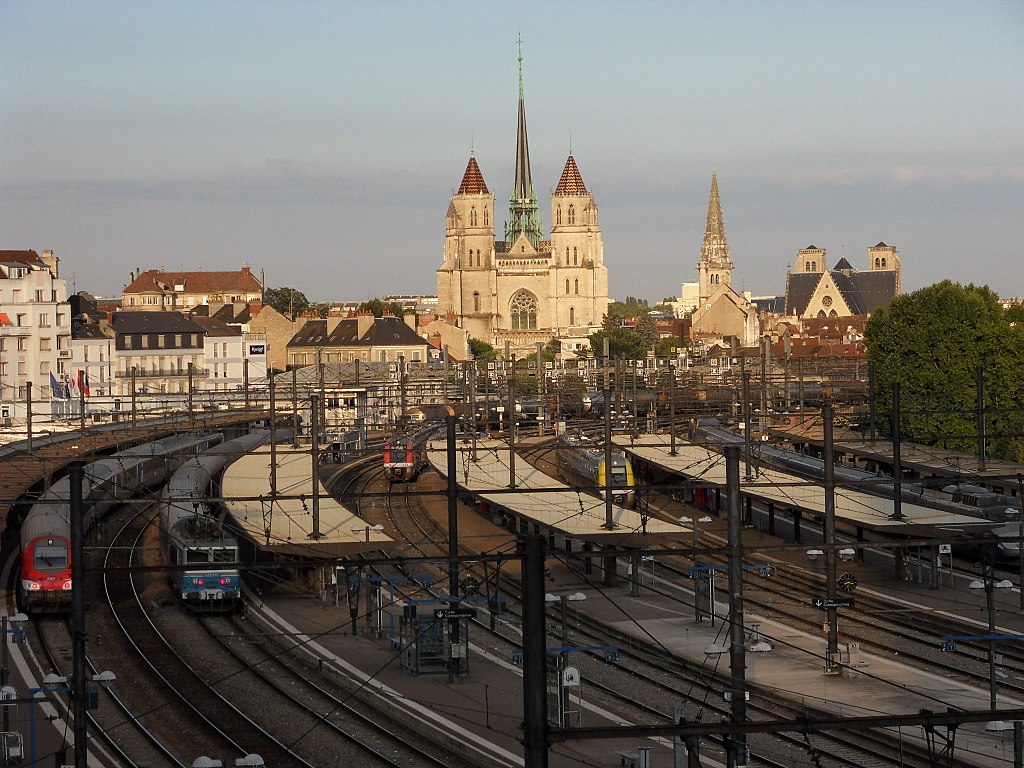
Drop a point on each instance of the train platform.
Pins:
(924, 460)
(487, 472)
(283, 522)
(483, 709)
(789, 492)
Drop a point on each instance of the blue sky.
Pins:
(321, 141)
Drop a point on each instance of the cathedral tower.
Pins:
(577, 253)
(464, 283)
(715, 267)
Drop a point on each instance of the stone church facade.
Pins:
(523, 289)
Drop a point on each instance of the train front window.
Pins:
(225, 556)
(197, 556)
(51, 558)
(618, 476)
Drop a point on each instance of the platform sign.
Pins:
(948, 646)
(455, 613)
(570, 677)
(832, 602)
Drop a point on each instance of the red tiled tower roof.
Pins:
(571, 182)
(472, 180)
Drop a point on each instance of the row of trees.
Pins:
(291, 303)
(933, 342)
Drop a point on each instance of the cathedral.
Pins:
(523, 289)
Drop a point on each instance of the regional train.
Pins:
(587, 459)
(193, 536)
(404, 458)
(45, 584)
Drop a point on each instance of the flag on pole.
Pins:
(56, 388)
(83, 382)
(73, 387)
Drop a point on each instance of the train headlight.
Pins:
(67, 585)
(32, 586)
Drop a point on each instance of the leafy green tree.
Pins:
(321, 309)
(647, 329)
(614, 317)
(666, 346)
(623, 344)
(379, 307)
(481, 350)
(286, 300)
(933, 341)
(1014, 313)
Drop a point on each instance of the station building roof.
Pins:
(286, 525)
(574, 513)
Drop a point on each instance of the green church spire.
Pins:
(522, 208)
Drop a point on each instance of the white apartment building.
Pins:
(232, 356)
(35, 328)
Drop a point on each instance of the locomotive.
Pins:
(45, 583)
(192, 531)
(586, 459)
(404, 458)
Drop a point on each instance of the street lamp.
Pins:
(18, 636)
(990, 585)
(54, 683)
(576, 597)
(251, 760)
(367, 529)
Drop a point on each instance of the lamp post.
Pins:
(367, 529)
(990, 585)
(564, 600)
(18, 636)
(251, 760)
(54, 683)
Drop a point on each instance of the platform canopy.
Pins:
(286, 525)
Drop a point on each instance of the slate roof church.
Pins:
(813, 290)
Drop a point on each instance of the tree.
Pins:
(623, 344)
(321, 309)
(286, 300)
(933, 341)
(481, 350)
(647, 329)
(614, 317)
(379, 307)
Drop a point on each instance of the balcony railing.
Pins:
(160, 373)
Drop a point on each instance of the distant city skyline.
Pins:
(321, 141)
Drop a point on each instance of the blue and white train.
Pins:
(202, 553)
(45, 584)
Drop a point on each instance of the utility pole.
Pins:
(737, 649)
(314, 452)
(273, 442)
(79, 693)
(245, 382)
(832, 612)
(512, 425)
(454, 661)
(535, 702)
(191, 412)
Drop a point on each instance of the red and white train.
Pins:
(45, 584)
(404, 458)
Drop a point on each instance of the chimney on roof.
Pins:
(51, 262)
(245, 270)
(333, 321)
(364, 321)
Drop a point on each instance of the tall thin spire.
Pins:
(715, 250)
(523, 207)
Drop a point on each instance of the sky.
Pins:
(322, 141)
